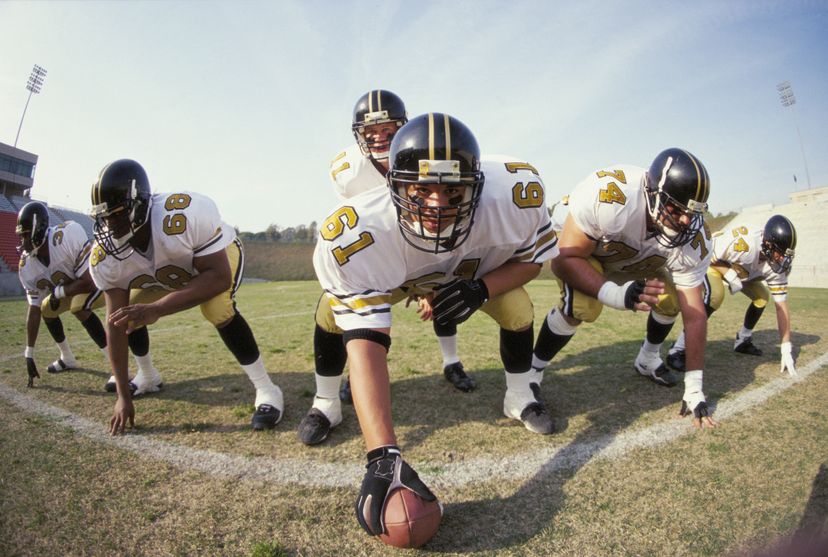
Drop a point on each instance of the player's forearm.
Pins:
(83, 285)
(695, 329)
(371, 392)
(510, 276)
(578, 273)
(783, 322)
(32, 325)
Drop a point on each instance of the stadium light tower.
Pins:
(788, 100)
(33, 85)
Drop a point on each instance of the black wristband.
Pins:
(368, 334)
(382, 452)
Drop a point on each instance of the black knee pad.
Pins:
(752, 316)
(95, 329)
(239, 339)
(328, 353)
(139, 342)
(55, 326)
(516, 349)
(657, 332)
(445, 330)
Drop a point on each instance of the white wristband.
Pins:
(29, 352)
(693, 382)
(785, 348)
(60, 292)
(612, 295)
(732, 278)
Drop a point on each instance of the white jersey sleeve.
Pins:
(353, 173)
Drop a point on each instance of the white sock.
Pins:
(745, 333)
(651, 348)
(328, 387)
(539, 365)
(678, 346)
(519, 381)
(65, 352)
(144, 363)
(257, 374)
(448, 346)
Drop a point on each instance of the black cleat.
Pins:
(314, 427)
(536, 418)
(537, 392)
(677, 360)
(455, 375)
(265, 417)
(345, 392)
(746, 346)
(661, 375)
(111, 387)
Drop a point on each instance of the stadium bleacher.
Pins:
(8, 240)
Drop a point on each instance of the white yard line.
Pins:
(483, 469)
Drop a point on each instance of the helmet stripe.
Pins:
(702, 185)
(448, 136)
(431, 136)
(379, 99)
(793, 232)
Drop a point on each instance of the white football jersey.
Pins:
(610, 207)
(362, 255)
(184, 225)
(69, 250)
(353, 173)
(740, 247)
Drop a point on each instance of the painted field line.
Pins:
(482, 469)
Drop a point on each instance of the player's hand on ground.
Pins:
(701, 413)
(787, 362)
(134, 317)
(124, 413)
(459, 300)
(31, 369)
(385, 472)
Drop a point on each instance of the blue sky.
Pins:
(249, 101)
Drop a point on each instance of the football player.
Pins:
(362, 166)
(54, 271)
(757, 263)
(635, 239)
(158, 254)
(435, 228)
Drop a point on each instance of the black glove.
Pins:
(54, 303)
(385, 472)
(456, 302)
(31, 368)
(699, 411)
(633, 294)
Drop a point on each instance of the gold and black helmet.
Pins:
(676, 184)
(779, 236)
(376, 107)
(122, 189)
(434, 149)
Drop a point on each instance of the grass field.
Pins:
(624, 476)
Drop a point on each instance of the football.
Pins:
(409, 520)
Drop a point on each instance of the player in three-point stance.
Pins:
(158, 254)
(756, 262)
(436, 228)
(635, 239)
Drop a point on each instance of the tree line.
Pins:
(301, 234)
